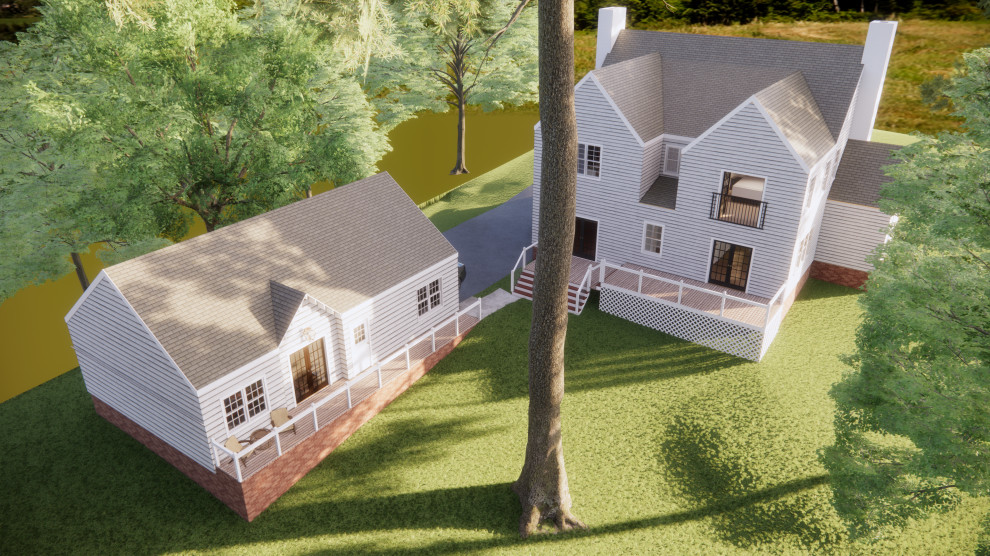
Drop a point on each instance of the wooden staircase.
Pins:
(575, 299)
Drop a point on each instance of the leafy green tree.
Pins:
(460, 52)
(179, 107)
(913, 420)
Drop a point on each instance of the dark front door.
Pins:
(585, 238)
(730, 265)
(309, 370)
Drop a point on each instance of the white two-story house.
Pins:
(705, 166)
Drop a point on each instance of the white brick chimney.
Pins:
(876, 55)
(610, 22)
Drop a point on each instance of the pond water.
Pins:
(34, 342)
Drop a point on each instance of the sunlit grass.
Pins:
(670, 447)
(481, 194)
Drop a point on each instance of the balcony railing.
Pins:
(738, 210)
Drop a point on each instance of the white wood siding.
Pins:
(849, 233)
(653, 158)
(125, 367)
(745, 143)
(276, 371)
(394, 316)
(812, 216)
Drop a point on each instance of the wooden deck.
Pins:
(701, 301)
(332, 400)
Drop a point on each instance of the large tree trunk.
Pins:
(459, 166)
(542, 485)
(80, 272)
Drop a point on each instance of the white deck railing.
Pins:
(718, 299)
(311, 411)
(585, 285)
(521, 263)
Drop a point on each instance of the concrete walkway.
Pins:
(489, 243)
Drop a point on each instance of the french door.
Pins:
(730, 265)
(309, 370)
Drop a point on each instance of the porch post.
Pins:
(407, 356)
(316, 425)
(680, 291)
(278, 443)
(722, 312)
(237, 468)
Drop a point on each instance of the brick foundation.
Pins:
(250, 498)
(838, 274)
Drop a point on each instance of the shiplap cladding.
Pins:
(124, 367)
(394, 316)
(849, 233)
(812, 216)
(745, 143)
(653, 157)
(537, 168)
(275, 369)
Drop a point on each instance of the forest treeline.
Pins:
(652, 13)
(661, 13)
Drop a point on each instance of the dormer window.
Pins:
(589, 160)
(672, 160)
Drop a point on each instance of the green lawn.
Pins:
(670, 447)
(481, 194)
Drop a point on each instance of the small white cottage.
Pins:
(200, 341)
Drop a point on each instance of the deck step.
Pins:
(575, 300)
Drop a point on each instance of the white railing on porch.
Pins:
(523, 260)
(585, 285)
(311, 412)
(609, 272)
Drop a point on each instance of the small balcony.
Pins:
(738, 210)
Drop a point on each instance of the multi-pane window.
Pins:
(652, 237)
(255, 398)
(589, 160)
(672, 161)
(234, 405)
(428, 297)
(359, 334)
(234, 408)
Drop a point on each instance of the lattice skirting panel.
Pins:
(710, 331)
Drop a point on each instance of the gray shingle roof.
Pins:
(637, 91)
(663, 193)
(860, 175)
(790, 103)
(831, 70)
(210, 300)
(285, 303)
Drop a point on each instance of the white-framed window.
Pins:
(589, 160)
(428, 297)
(672, 160)
(652, 238)
(360, 334)
(244, 404)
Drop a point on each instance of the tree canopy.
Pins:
(455, 53)
(121, 130)
(913, 420)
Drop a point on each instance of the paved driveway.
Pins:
(489, 243)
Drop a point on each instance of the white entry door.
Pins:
(361, 347)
